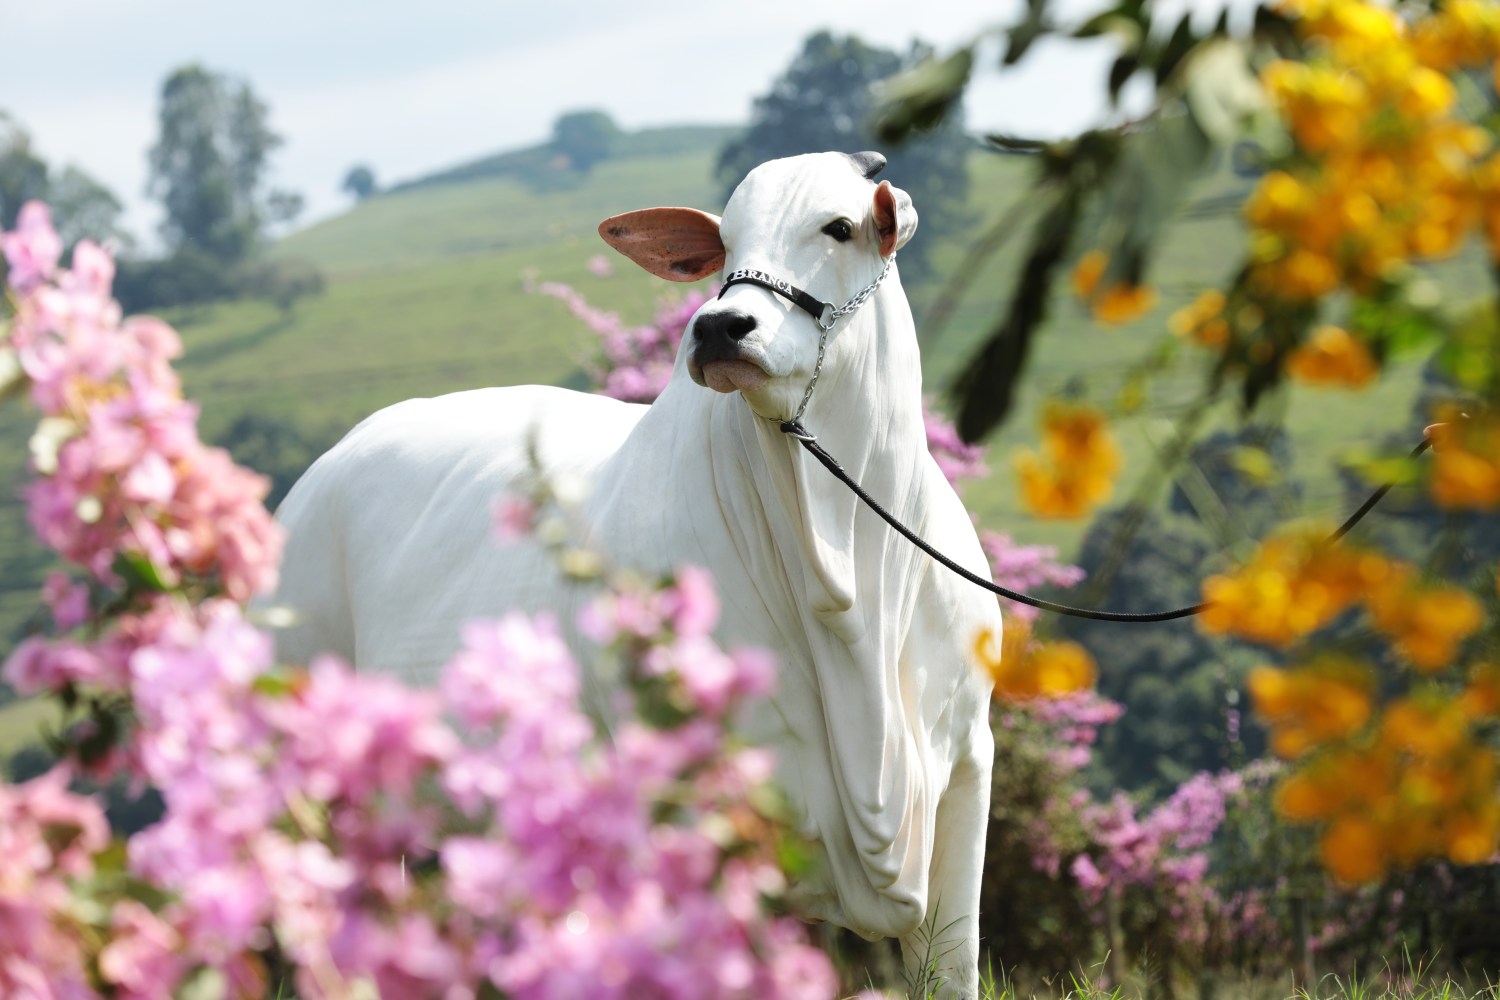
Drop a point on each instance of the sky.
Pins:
(413, 86)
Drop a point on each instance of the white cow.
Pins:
(880, 718)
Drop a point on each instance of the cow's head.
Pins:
(818, 221)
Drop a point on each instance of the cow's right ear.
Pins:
(679, 244)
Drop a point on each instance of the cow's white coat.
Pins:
(880, 719)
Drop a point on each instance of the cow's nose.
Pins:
(729, 324)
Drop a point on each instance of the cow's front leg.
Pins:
(942, 956)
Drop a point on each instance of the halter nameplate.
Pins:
(823, 312)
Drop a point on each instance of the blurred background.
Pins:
(340, 206)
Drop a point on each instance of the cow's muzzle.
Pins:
(718, 360)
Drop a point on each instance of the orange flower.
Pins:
(1426, 624)
(1327, 700)
(1294, 585)
(1431, 727)
(1063, 668)
(1482, 695)
(1332, 357)
(1086, 274)
(1466, 466)
(1077, 466)
(1473, 836)
(1353, 850)
(1022, 669)
(1202, 320)
(1124, 303)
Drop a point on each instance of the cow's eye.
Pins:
(840, 229)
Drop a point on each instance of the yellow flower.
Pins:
(1063, 668)
(1331, 356)
(1426, 624)
(1294, 585)
(1327, 700)
(1077, 466)
(1022, 669)
(1430, 727)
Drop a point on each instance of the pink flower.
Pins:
(38, 665)
(68, 599)
(143, 958)
(1087, 875)
(956, 459)
(692, 603)
(514, 517)
(33, 248)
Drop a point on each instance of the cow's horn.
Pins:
(868, 163)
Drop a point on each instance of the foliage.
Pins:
(209, 164)
(585, 138)
(1378, 154)
(823, 101)
(331, 829)
(82, 207)
(360, 182)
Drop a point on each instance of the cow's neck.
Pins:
(867, 413)
(803, 567)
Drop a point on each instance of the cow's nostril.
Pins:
(729, 324)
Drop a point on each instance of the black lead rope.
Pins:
(826, 315)
(810, 442)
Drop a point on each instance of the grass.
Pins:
(1411, 982)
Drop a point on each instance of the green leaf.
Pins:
(923, 96)
(1122, 70)
(1033, 26)
(1472, 352)
(1255, 464)
(1176, 49)
(140, 573)
(1385, 470)
(274, 685)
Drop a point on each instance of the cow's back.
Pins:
(390, 535)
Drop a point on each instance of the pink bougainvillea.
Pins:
(329, 831)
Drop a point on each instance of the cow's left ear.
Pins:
(895, 217)
(679, 244)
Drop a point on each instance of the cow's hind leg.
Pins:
(942, 956)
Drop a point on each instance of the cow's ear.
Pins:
(895, 217)
(679, 244)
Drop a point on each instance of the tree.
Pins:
(209, 164)
(360, 182)
(585, 138)
(23, 174)
(81, 206)
(823, 101)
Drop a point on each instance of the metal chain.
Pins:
(860, 298)
(863, 295)
(817, 370)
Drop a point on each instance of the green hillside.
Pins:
(425, 295)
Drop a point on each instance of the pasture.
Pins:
(426, 294)
(429, 292)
